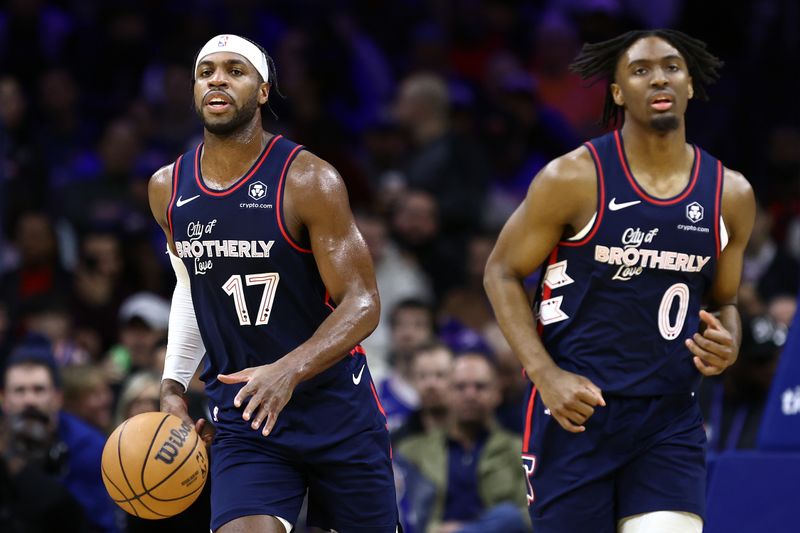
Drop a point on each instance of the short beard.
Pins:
(665, 123)
(241, 118)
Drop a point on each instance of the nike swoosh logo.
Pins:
(357, 379)
(614, 206)
(181, 201)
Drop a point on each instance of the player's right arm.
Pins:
(560, 201)
(184, 345)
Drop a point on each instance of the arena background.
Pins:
(96, 96)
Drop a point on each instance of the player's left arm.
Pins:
(316, 203)
(718, 346)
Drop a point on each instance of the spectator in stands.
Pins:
(384, 147)
(467, 303)
(52, 317)
(100, 288)
(415, 227)
(520, 133)
(472, 462)
(733, 404)
(140, 394)
(66, 131)
(431, 364)
(399, 278)
(448, 165)
(87, 395)
(39, 272)
(511, 379)
(451, 167)
(143, 318)
(555, 42)
(31, 501)
(103, 195)
(412, 323)
(70, 450)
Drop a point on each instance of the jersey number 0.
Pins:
(668, 329)
(235, 288)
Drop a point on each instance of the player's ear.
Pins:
(263, 93)
(691, 89)
(616, 94)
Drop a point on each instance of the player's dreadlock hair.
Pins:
(273, 81)
(598, 62)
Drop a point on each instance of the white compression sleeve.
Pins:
(185, 347)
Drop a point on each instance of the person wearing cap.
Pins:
(275, 288)
(143, 321)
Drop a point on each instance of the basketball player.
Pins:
(276, 288)
(640, 237)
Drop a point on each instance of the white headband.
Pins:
(236, 45)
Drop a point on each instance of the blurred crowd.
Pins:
(437, 114)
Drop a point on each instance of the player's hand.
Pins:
(172, 402)
(714, 350)
(570, 398)
(269, 387)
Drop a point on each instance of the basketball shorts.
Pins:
(330, 441)
(637, 455)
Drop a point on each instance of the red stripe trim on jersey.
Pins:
(641, 192)
(242, 181)
(717, 210)
(601, 198)
(358, 349)
(377, 400)
(529, 420)
(279, 212)
(175, 171)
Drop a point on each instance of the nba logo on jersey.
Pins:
(694, 212)
(223, 40)
(257, 190)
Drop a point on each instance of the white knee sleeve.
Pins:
(285, 523)
(661, 522)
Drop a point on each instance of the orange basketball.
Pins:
(154, 465)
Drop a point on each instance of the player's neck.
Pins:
(654, 149)
(225, 158)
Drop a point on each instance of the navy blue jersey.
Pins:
(256, 292)
(616, 303)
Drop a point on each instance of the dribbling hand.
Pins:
(269, 388)
(714, 350)
(173, 403)
(570, 398)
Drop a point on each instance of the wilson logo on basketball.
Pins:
(173, 444)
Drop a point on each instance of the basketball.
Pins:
(154, 466)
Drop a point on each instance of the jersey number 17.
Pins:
(235, 288)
